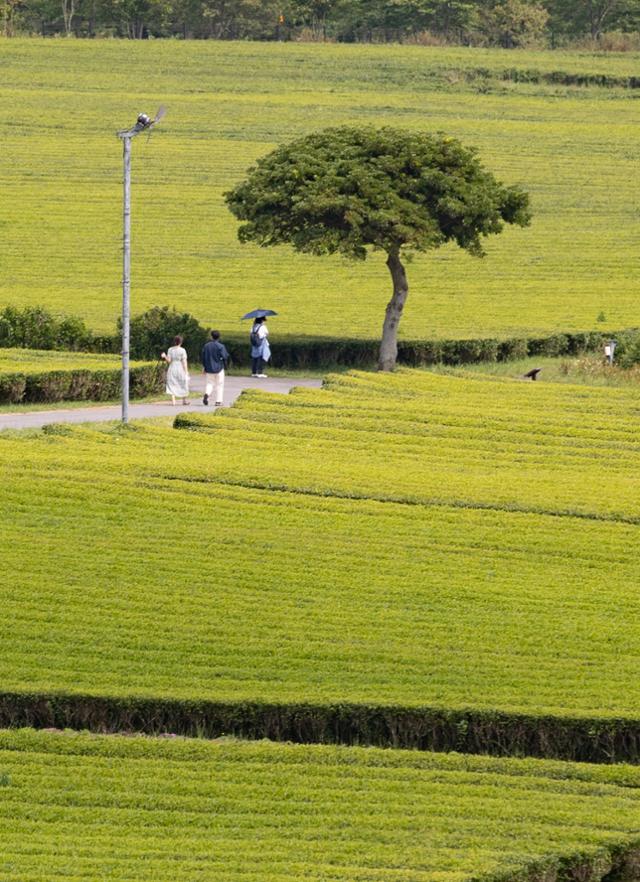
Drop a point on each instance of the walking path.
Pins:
(96, 414)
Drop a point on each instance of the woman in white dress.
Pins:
(178, 371)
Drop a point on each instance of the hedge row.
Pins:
(423, 728)
(319, 352)
(314, 352)
(79, 384)
(153, 330)
(554, 77)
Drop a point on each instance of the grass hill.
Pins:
(562, 125)
(387, 545)
(84, 807)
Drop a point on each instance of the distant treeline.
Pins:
(612, 24)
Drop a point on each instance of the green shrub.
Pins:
(78, 805)
(145, 380)
(106, 384)
(469, 351)
(153, 331)
(109, 344)
(512, 349)
(34, 327)
(420, 352)
(79, 384)
(491, 493)
(583, 342)
(556, 344)
(627, 353)
(12, 388)
(49, 386)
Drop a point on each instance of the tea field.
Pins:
(573, 147)
(419, 438)
(36, 361)
(78, 807)
(391, 541)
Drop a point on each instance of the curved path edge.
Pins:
(234, 386)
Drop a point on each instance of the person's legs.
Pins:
(219, 381)
(256, 366)
(208, 386)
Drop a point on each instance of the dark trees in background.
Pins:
(507, 23)
(592, 18)
(515, 24)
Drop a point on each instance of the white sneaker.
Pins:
(255, 375)
(262, 376)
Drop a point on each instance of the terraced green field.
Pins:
(419, 438)
(573, 148)
(36, 361)
(409, 540)
(84, 807)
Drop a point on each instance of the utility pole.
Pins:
(126, 275)
(143, 123)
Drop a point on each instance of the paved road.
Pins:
(96, 414)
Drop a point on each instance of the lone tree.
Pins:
(345, 190)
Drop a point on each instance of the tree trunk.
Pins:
(598, 14)
(68, 11)
(393, 314)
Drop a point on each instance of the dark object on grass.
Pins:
(532, 374)
(258, 313)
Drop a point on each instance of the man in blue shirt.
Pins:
(215, 359)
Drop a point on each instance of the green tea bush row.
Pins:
(301, 353)
(568, 451)
(77, 806)
(78, 384)
(390, 545)
(560, 77)
(85, 385)
(495, 733)
(319, 352)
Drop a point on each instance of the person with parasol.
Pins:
(259, 340)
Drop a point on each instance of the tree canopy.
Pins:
(505, 23)
(347, 190)
(343, 189)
